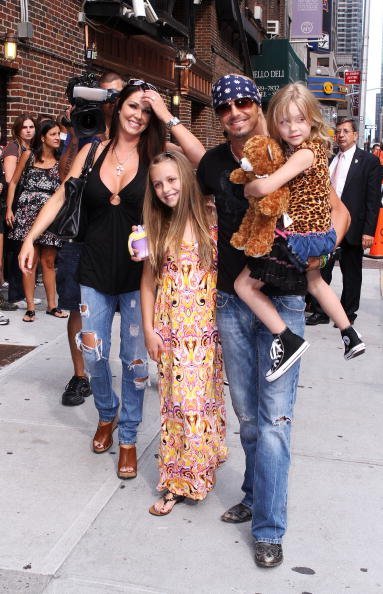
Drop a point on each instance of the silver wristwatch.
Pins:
(173, 122)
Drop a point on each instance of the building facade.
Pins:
(181, 46)
(50, 49)
(349, 29)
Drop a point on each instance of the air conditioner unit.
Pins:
(257, 13)
(272, 27)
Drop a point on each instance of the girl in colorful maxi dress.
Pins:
(294, 119)
(178, 291)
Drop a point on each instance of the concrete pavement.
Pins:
(69, 526)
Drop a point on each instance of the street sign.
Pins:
(352, 77)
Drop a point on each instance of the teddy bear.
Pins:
(261, 157)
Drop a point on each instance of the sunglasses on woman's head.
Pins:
(241, 103)
(137, 82)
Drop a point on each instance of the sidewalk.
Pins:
(69, 526)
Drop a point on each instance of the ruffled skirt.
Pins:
(279, 269)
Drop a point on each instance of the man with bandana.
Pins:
(264, 410)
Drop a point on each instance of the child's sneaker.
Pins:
(353, 345)
(286, 348)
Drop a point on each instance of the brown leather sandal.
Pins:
(104, 436)
(127, 459)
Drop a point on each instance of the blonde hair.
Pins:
(299, 94)
(165, 226)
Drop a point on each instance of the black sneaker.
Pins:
(353, 345)
(286, 348)
(268, 554)
(75, 391)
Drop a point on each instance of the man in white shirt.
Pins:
(355, 176)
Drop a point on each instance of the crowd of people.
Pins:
(197, 304)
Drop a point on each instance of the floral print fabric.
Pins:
(38, 185)
(190, 377)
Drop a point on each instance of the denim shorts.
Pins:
(311, 244)
(68, 288)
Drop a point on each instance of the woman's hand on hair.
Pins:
(158, 105)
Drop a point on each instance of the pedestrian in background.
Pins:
(356, 177)
(23, 131)
(38, 169)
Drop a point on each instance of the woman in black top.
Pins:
(108, 277)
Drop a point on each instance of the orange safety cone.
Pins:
(376, 250)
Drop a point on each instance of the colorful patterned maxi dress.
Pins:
(190, 377)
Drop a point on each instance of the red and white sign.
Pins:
(352, 77)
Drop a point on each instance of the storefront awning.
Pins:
(276, 66)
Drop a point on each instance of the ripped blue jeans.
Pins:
(97, 313)
(264, 410)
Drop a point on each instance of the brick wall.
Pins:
(218, 48)
(45, 62)
(55, 53)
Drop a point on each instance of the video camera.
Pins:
(83, 92)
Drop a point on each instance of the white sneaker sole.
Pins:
(287, 364)
(354, 352)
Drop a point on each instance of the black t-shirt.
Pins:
(213, 176)
(105, 263)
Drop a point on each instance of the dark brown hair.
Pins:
(152, 139)
(18, 124)
(37, 142)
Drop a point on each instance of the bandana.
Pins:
(234, 86)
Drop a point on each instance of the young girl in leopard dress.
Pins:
(294, 119)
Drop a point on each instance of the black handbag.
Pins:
(70, 219)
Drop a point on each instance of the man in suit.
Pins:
(356, 177)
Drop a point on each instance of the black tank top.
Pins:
(105, 260)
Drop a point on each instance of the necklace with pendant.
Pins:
(120, 165)
(236, 159)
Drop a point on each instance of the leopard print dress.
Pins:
(309, 234)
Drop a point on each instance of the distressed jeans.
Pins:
(97, 312)
(264, 410)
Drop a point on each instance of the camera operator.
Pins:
(110, 81)
(68, 257)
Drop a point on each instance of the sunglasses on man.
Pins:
(241, 103)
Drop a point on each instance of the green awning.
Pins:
(276, 66)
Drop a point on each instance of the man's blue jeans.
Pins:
(264, 410)
(97, 312)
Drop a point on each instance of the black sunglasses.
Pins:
(241, 103)
(137, 82)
